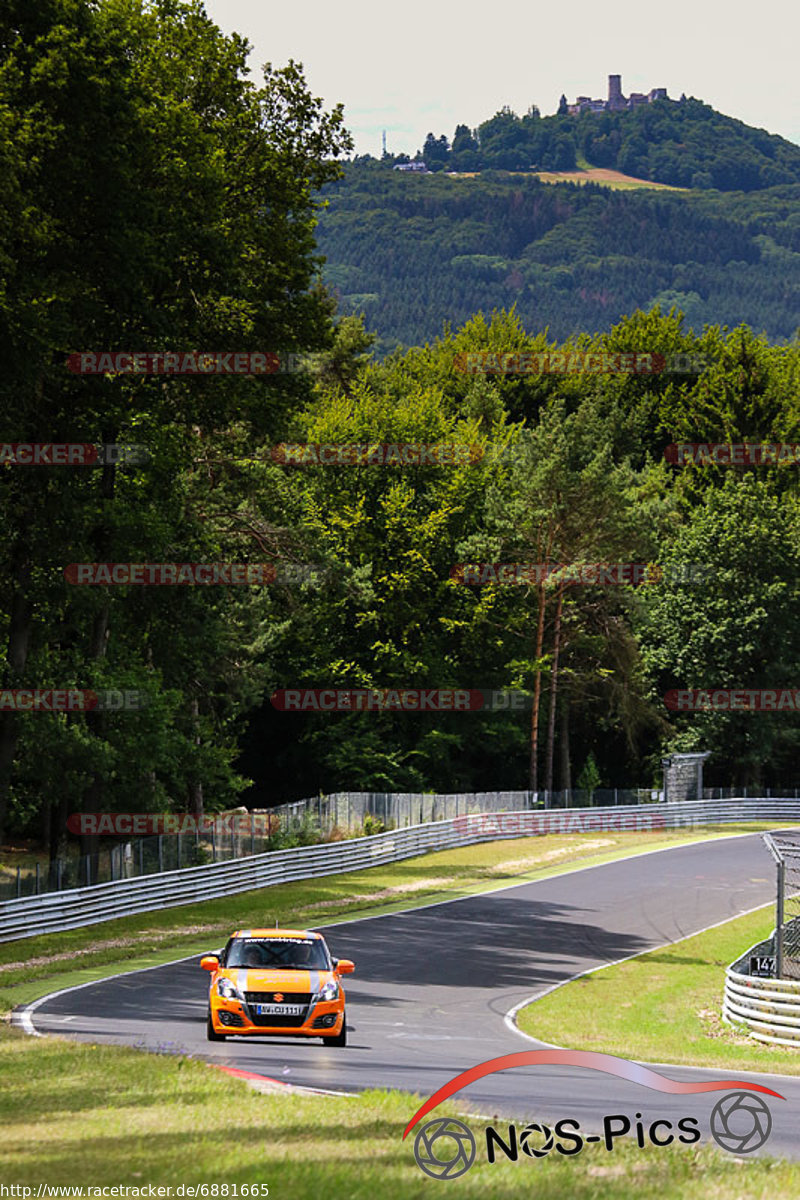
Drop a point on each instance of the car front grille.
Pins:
(275, 1021)
(269, 997)
(278, 1020)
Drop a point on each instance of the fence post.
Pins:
(141, 856)
(779, 921)
(213, 841)
(160, 853)
(37, 878)
(19, 884)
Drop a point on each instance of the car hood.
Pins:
(251, 979)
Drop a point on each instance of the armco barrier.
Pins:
(768, 1008)
(56, 911)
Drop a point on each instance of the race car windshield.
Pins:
(282, 953)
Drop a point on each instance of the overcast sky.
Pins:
(429, 64)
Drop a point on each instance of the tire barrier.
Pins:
(768, 1009)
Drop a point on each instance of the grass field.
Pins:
(605, 176)
(34, 966)
(663, 1006)
(82, 1115)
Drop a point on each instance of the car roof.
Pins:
(276, 933)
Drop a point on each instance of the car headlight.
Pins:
(227, 990)
(329, 990)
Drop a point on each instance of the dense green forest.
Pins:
(112, 240)
(681, 142)
(413, 252)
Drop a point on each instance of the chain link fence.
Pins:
(305, 822)
(785, 849)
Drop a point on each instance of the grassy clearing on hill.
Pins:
(606, 177)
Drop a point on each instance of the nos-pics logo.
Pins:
(445, 1147)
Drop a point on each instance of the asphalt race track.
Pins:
(433, 986)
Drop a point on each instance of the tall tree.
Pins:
(168, 203)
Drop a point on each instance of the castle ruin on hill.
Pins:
(616, 102)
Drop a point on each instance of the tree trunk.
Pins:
(195, 797)
(533, 768)
(537, 693)
(58, 830)
(19, 634)
(566, 765)
(98, 642)
(551, 723)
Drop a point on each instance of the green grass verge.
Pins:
(83, 1115)
(34, 966)
(663, 1006)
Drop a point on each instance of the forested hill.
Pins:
(413, 251)
(681, 142)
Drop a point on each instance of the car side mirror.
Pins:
(209, 962)
(345, 967)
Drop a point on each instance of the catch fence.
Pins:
(50, 913)
(334, 817)
(785, 849)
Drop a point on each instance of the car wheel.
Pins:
(339, 1039)
(211, 1032)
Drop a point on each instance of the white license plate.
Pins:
(288, 1010)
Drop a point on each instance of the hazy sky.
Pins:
(417, 66)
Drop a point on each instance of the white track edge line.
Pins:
(509, 887)
(510, 1017)
(23, 1017)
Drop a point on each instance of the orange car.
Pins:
(276, 981)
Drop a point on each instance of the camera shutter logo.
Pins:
(526, 1140)
(444, 1148)
(741, 1122)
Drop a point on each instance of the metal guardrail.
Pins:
(56, 911)
(768, 1008)
(348, 812)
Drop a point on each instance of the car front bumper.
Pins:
(320, 1019)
